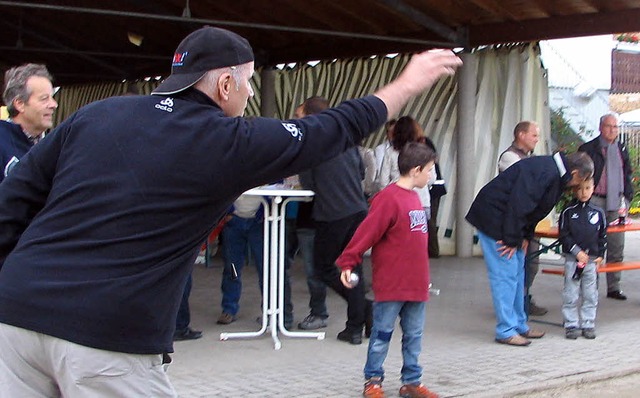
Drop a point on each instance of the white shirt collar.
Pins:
(560, 164)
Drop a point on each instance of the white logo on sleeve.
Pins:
(165, 105)
(10, 165)
(294, 130)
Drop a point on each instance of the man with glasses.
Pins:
(612, 176)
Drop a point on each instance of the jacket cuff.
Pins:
(575, 249)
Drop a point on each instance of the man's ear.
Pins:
(19, 105)
(223, 86)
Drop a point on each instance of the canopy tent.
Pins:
(111, 40)
(511, 87)
(133, 39)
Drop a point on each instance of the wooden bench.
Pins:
(611, 267)
(547, 231)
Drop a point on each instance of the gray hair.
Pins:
(210, 79)
(582, 163)
(15, 80)
(608, 115)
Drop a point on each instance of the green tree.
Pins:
(562, 134)
(567, 141)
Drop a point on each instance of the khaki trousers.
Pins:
(37, 365)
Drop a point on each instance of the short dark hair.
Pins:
(15, 84)
(314, 105)
(582, 163)
(589, 179)
(414, 154)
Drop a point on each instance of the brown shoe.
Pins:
(225, 319)
(416, 391)
(535, 310)
(533, 334)
(515, 340)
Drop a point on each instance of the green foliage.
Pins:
(562, 134)
(567, 141)
(635, 177)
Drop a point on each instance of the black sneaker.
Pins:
(186, 334)
(572, 333)
(312, 322)
(616, 294)
(589, 333)
(350, 337)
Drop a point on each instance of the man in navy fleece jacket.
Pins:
(100, 223)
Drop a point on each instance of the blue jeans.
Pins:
(238, 234)
(317, 288)
(412, 317)
(506, 278)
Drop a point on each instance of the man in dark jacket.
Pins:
(505, 212)
(28, 95)
(612, 176)
(101, 222)
(339, 207)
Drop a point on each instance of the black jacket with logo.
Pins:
(100, 223)
(583, 226)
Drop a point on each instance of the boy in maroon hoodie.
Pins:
(396, 229)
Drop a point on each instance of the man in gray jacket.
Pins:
(339, 207)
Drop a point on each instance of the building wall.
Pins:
(581, 111)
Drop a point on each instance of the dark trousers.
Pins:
(434, 246)
(184, 316)
(331, 238)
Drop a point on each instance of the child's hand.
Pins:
(599, 261)
(582, 257)
(345, 278)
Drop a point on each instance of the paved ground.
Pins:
(459, 355)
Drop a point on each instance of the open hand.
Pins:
(427, 67)
(505, 250)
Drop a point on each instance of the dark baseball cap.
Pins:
(205, 49)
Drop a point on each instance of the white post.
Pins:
(465, 162)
